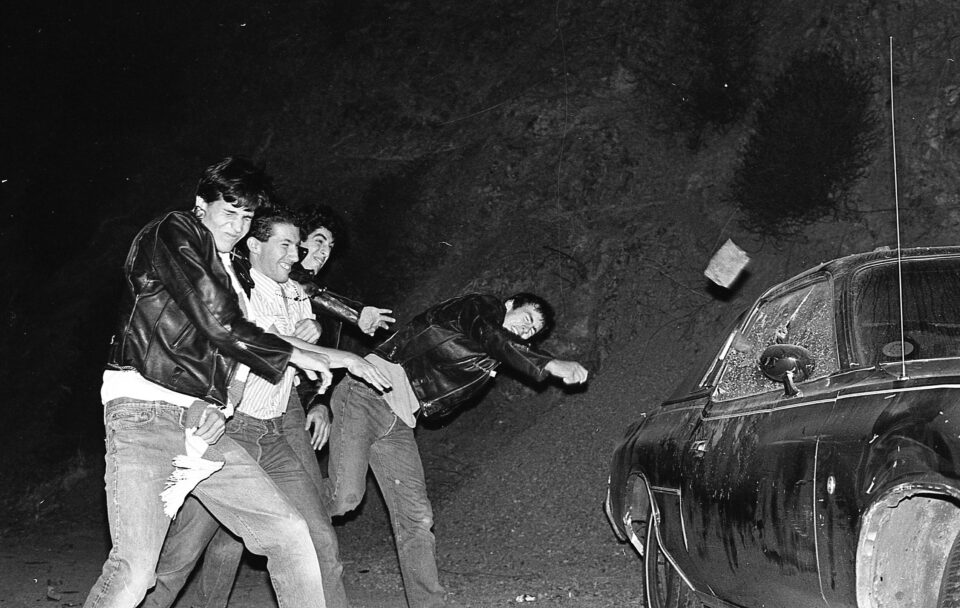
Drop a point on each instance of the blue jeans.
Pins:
(195, 532)
(141, 440)
(365, 432)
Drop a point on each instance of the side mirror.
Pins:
(787, 363)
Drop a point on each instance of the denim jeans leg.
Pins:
(286, 468)
(189, 535)
(396, 463)
(360, 416)
(266, 441)
(309, 500)
(250, 505)
(224, 551)
(294, 423)
(221, 561)
(141, 440)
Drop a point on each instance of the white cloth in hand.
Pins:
(189, 469)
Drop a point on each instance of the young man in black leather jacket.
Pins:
(176, 363)
(439, 360)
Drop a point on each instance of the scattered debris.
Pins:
(53, 591)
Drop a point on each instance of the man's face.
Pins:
(318, 244)
(276, 255)
(227, 222)
(524, 321)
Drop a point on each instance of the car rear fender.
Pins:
(643, 507)
(629, 512)
(905, 536)
(619, 484)
(638, 508)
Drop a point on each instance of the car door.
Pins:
(892, 416)
(750, 466)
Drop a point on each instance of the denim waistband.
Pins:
(160, 408)
(274, 423)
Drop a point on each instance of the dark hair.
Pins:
(321, 216)
(265, 218)
(237, 181)
(539, 304)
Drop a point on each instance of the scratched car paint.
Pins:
(814, 460)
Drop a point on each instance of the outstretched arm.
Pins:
(354, 364)
(313, 363)
(368, 318)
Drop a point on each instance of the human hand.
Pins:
(318, 425)
(211, 425)
(307, 330)
(314, 365)
(372, 318)
(366, 371)
(570, 372)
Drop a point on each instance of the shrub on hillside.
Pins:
(812, 138)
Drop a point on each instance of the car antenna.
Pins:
(896, 199)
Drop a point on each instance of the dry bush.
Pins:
(812, 138)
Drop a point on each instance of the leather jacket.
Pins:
(332, 309)
(451, 351)
(181, 325)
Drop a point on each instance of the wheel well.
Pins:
(903, 546)
(637, 509)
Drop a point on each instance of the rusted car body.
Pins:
(837, 483)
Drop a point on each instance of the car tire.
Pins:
(950, 581)
(663, 587)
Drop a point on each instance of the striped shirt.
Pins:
(275, 307)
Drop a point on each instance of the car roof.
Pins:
(845, 265)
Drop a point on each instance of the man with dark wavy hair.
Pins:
(441, 359)
(320, 230)
(177, 363)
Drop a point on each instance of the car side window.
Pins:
(803, 317)
(930, 311)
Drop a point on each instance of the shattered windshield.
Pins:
(803, 317)
(931, 311)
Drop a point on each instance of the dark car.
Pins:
(815, 459)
